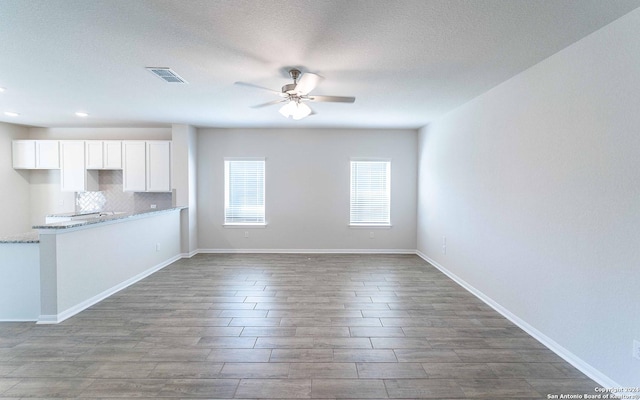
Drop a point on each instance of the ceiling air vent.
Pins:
(166, 74)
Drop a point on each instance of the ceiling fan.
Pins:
(296, 94)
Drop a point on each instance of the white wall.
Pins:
(307, 187)
(536, 185)
(14, 203)
(184, 153)
(45, 194)
(81, 266)
(19, 281)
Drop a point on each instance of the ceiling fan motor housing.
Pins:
(289, 88)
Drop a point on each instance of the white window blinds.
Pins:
(370, 193)
(244, 192)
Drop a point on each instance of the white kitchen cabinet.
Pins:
(112, 154)
(93, 154)
(36, 154)
(24, 154)
(74, 177)
(103, 154)
(158, 166)
(146, 165)
(47, 154)
(134, 165)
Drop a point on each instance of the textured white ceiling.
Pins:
(406, 62)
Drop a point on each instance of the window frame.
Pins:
(386, 224)
(226, 192)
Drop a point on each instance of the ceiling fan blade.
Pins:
(251, 85)
(270, 103)
(332, 99)
(308, 82)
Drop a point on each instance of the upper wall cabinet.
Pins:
(112, 154)
(24, 154)
(36, 154)
(159, 166)
(146, 166)
(103, 154)
(47, 154)
(73, 175)
(93, 154)
(134, 166)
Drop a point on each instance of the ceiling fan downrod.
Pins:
(290, 88)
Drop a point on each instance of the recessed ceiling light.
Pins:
(81, 114)
(2, 89)
(11, 113)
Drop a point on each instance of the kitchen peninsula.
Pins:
(20, 277)
(84, 261)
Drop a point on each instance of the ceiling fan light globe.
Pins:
(302, 111)
(289, 109)
(284, 112)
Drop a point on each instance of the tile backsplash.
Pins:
(112, 198)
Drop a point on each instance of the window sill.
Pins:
(359, 226)
(243, 226)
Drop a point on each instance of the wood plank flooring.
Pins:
(285, 326)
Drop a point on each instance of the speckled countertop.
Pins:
(27, 237)
(97, 220)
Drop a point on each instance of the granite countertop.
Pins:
(94, 219)
(27, 237)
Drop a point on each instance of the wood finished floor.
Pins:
(285, 326)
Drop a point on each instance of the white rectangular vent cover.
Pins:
(166, 74)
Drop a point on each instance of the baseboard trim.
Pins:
(306, 251)
(18, 319)
(47, 319)
(551, 344)
(70, 312)
(189, 255)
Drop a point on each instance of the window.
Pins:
(370, 193)
(244, 192)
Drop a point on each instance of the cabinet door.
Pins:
(159, 166)
(47, 154)
(93, 154)
(134, 172)
(24, 154)
(112, 154)
(73, 174)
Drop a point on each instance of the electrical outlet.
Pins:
(371, 235)
(246, 234)
(154, 206)
(444, 245)
(636, 349)
(157, 246)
